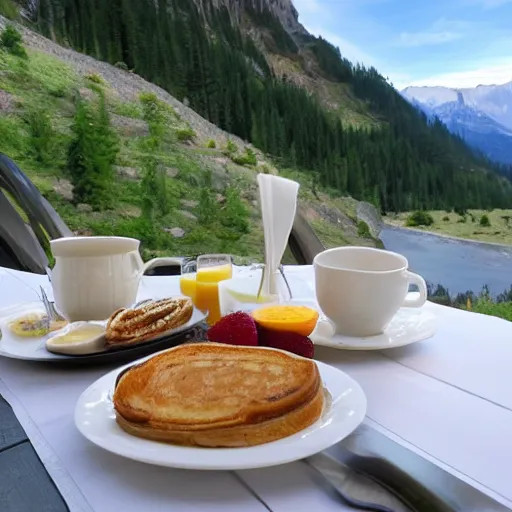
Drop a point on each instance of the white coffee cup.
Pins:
(94, 276)
(360, 289)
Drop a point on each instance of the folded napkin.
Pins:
(278, 197)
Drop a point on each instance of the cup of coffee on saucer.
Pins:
(361, 289)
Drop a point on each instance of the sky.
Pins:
(455, 43)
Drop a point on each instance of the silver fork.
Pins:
(52, 314)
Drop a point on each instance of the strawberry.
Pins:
(235, 329)
(289, 341)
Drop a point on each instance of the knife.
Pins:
(337, 479)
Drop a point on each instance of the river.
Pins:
(457, 265)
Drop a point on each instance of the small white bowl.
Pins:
(89, 345)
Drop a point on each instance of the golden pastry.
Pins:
(217, 395)
(134, 325)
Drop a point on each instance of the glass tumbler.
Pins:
(211, 270)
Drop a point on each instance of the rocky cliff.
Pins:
(289, 16)
(284, 10)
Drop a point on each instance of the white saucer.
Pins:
(408, 326)
(95, 419)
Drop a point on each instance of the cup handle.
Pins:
(422, 286)
(157, 262)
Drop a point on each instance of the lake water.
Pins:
(457, 265)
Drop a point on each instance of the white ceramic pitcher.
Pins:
(94, 276)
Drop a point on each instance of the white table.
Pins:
(448, 399)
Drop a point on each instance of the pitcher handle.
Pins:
(410, 302)
(160, 262)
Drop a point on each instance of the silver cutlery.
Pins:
(340, 495)
(52, 314)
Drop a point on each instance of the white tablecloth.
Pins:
(447, 398)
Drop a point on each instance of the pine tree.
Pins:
(207, 207)
(92, 154)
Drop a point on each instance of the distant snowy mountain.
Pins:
(431, 97)
(482, 115)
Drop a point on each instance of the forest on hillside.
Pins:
(206, 59)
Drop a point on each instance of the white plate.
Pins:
(408, 326)
(95, 418)
(34, 349)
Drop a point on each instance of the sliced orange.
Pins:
(299, 319)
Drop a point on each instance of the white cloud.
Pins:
(427, 38)
(442, 31)
(487, 75)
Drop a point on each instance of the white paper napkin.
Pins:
(278, 197)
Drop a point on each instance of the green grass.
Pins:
(335, 96)
(40, 74)
(131, 109)
(486, 306)
(468, 227)
(8, 9)
(352, 111)
(329, 235)
(40, 82)
(185, 134)
(208, 151)
(13, 136)
(483, 302)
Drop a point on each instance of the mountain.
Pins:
(493, 100)
(250, 68)
(482, 116)
(283, 10)
(430, 97)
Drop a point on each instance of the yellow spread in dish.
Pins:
(78, 338)
(34, 325)
(82, 334)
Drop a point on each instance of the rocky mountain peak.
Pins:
(284, 10)
(287, 13)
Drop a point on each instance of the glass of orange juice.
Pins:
(211, 270)
(188, 279)
(188, 285)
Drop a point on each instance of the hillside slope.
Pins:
(196, 176)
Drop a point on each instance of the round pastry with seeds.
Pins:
(134, 325)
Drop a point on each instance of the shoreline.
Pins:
(449, 237)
